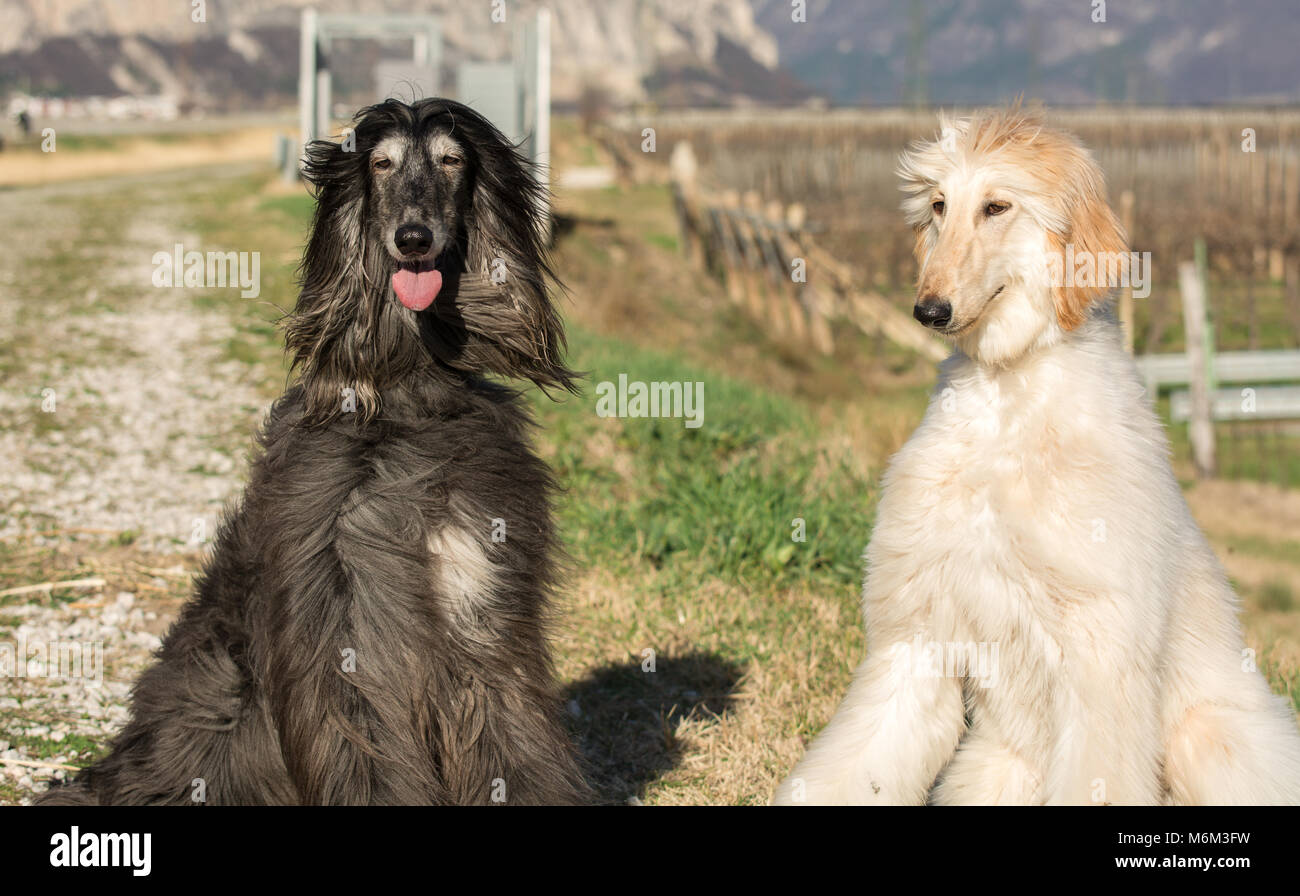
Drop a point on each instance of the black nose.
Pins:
(934, 312)
(412, 239)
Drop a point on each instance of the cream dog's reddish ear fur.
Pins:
(1094, 232)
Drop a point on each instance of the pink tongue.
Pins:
(417, 290)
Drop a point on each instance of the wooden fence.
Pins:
(772, 267)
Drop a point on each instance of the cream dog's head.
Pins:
(998, 202)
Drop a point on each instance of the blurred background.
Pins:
(725, 212)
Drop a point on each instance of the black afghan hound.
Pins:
(370, 627)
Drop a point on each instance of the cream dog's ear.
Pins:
(1094, 233)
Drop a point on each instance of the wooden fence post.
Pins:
(785, 288)
(1200, 427)
(731, 244)
(685, 171)
(750, 243)
(811, 298)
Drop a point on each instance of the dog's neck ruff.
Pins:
(1095, 346)
(1022, 327)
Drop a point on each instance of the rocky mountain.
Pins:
(982, 51)
(245, 51)
(232, 54)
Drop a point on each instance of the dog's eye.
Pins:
(452, 161)
(996, 208)
(382, 164)
(937, 205)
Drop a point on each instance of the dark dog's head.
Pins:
(427, 253)
(421, 191)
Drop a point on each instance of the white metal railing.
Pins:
(1229, 367)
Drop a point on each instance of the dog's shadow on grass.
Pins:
(625, 716)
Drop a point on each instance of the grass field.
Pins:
(699, 644)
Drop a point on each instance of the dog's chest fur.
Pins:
(465, 573)
(1000, 514)
(440, 526)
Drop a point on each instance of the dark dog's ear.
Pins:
(507, 262)
(335, 325)
(335, 171)
(327, 164)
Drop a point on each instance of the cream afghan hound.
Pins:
(1045, 621)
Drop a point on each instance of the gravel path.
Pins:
(125, 418)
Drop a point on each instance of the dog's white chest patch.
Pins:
(463, 573)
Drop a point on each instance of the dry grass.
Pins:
(690, 723)
(161, 582)
(1255, 530)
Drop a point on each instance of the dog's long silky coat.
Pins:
(370, 627)
(1033, 516)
